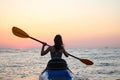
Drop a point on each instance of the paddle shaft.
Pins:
(74, 56)
(38, 40)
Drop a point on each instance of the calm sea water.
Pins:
(27, 64)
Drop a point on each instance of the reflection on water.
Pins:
(27, 64)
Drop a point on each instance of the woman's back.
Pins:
(56, 54)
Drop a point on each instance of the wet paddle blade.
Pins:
(86, 61)
(20, 33)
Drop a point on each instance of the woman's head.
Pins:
(58, 42)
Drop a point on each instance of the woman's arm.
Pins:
(44, 52)
(65, 53)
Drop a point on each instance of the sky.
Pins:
(82, 23)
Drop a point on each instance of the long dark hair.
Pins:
(58, 42)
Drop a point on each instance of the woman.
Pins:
(57, 50)
(57, 68)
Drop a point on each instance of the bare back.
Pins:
(55, 54)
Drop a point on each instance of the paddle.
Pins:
(20, 33)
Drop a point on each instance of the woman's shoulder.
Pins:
(51, 48)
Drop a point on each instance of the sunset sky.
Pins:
(82, 23)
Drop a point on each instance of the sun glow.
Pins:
(81, 23)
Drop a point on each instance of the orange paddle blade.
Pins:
(20, 33)
(86, 61)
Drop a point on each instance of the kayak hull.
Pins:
(56, 75)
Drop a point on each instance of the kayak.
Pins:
(56, 70)
(56, 75)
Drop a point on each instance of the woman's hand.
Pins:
(44, 44)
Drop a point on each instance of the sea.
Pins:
(27, 64)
